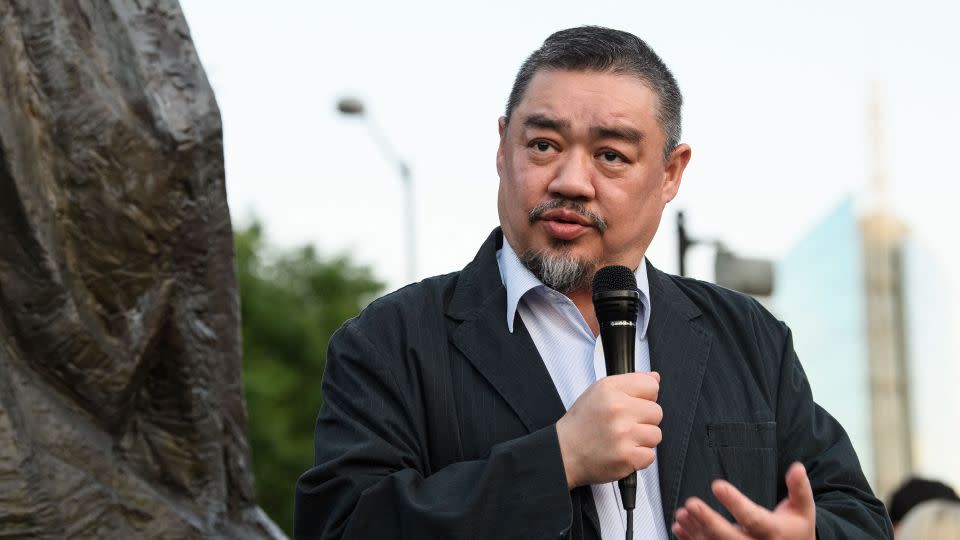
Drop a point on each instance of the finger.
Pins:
(710, 523)
(798, 489)
(639, 385)
(655, 375)
(646, 412)
(642, 457)
(685, 521)
(752, 517)
(680, 532)
(647, 435)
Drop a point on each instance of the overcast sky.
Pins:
(777, 101)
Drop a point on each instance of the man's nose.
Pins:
(574, 177)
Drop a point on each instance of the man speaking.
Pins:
(478, 404)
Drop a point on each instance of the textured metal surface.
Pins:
(121, 401)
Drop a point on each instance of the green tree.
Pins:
(291, 302)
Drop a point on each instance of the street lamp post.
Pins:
(683, 243)
(751, 276)
(354, 107)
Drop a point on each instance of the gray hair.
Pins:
(560, 271)
(594, 48)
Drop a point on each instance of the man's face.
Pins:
(590, 138)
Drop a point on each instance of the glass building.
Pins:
(820, 294)
(877, 336)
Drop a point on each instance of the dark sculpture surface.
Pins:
(121, 398)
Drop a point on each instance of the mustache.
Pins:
(569, 204)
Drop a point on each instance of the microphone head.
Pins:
(614, 278)
(615, 295)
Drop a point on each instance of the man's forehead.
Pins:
(555, 92)
(562, 100)
(590, 75)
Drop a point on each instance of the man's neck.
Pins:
(583, 299)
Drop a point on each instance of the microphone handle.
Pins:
(628, 491)
(619, 346)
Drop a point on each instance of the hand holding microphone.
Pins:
(612, 428)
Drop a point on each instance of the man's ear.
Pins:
(502, 127)
(673, 172)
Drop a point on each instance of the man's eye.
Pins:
(611, 157)
(542, 146)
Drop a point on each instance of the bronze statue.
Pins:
(121, 399)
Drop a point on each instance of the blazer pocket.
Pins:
(747, 454)
(742, 435)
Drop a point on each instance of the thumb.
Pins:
(655, 375)
(798, 489)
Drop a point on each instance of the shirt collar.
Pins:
(519, 280)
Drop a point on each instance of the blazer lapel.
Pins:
(679, 347)
(510, 362)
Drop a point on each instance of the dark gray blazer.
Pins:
(439, 423)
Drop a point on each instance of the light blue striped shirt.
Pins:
(574, 358)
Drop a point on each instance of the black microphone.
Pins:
(616, 302)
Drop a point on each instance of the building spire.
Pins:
(879, 178)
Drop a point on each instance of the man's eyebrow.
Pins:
(545, 122)
(625, 134)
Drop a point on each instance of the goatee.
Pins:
(560, 271)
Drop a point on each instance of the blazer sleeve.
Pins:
(846, 506)
(370, 481)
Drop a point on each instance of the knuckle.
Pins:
(625, 460)
(621, 430)
(614, 408)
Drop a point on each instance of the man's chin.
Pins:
(559, 268)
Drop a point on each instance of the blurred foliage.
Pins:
(291, 302)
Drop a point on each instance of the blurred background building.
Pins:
(874, 336)
(823, 293)
(866, 304)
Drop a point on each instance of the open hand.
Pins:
(794, 518)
